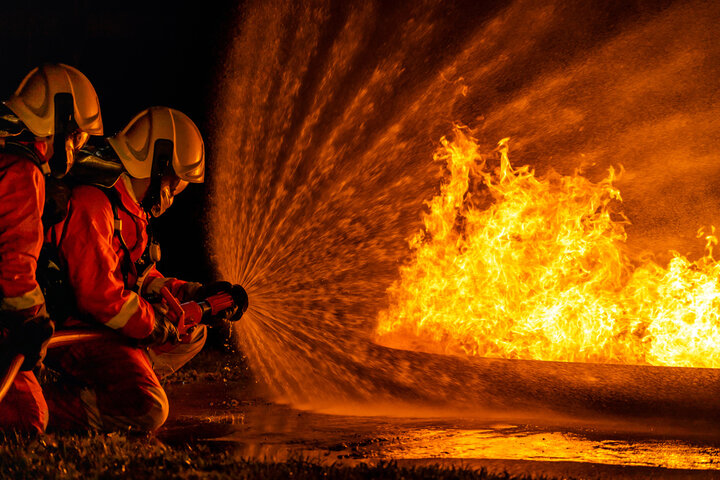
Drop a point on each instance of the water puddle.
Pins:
(262, 430)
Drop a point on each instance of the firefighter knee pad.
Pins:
(149, 410)
(196, 339)
(157, 410)
(168, 359)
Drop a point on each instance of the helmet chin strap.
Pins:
(162, 159)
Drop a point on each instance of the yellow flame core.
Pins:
(515, 266)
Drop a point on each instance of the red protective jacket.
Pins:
(22, 195)
(95, 260)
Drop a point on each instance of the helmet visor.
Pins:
(170, 185)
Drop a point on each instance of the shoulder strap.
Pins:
(141, 268)
(115, 202)
(20, 149)
(148, 259)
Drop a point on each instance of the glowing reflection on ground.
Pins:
(263, 430)
(522, 443)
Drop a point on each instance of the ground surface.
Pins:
(219, 428)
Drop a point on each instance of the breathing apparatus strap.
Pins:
(148, 259)
(127, 265)
(142, 267)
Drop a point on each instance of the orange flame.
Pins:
(515, 266)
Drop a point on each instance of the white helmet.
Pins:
(35, 100)
(157, 131)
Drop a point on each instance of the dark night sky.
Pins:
(136, 54)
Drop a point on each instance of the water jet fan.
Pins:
(349, 222)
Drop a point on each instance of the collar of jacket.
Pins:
(127, 197)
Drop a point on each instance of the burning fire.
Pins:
(516, 266)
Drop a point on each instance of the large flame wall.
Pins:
(517, 266)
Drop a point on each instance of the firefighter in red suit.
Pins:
(104, 246)
(42, 125)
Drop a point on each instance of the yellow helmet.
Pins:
(36, 99)
(148, 135)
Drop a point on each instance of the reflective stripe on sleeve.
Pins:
(128, 310)
(27, 300)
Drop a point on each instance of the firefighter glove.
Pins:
(36, 336)
(238, 293)
(163, 332)
(240, 297)
(29, 338)
(212, 288)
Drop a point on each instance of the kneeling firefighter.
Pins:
(42, 125)
(106, 251)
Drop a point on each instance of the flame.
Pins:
(518, 266)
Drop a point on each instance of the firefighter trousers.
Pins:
(24, 409)
(109, 385)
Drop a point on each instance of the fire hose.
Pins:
(183, 315)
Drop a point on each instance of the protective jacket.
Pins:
(99, 243)
(22, 190)
(22, 194)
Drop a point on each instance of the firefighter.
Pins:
(105, 248)
(42, 125)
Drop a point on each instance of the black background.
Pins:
(136, 54)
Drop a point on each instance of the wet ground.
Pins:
(231, 416)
